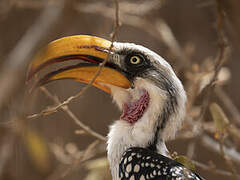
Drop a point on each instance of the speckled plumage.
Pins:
(142, 164)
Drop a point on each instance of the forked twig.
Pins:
(85, 156)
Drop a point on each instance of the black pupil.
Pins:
(134, 59)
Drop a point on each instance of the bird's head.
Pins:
(142, 84)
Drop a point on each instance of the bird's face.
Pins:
(141, 82)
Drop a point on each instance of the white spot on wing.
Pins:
(142, 178)
(125, 161)
(129, 158)
(132, 177)
(129, 168)
(154, 172)
(136, 168)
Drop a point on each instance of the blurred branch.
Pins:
(208, 89)
(63, 170)
(73, 116)
(220, 59)
(6, 151)
(212, 169)
(100, 67)
(87, 154)
(227, 159)
(159, 29)
(143, 8)
(218, 64)
(171, 41)
(223, 96)
(211, 144)
(221, 124)
(12, 69)
(232, 13)
(107, 12)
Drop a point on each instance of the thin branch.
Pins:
(218, 65)
(212, 169)
(223, 51)
(73, 116)
(220, 59)
(105, 11)
(88, 153)
(213, 145)
(226, 100)
(170, 40)
(159, 30)
(63, 170)
(227, 159)
(100, 67)
(142, 9)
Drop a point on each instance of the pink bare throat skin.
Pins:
(133, 111)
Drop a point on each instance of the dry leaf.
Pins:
(185, 161)
(221, 121)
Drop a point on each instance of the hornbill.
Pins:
(145, 88)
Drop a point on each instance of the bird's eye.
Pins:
(135, 60)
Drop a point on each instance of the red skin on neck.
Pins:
(133, 111)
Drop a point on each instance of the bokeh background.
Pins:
(186, 33)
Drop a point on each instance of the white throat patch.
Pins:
(124, 135)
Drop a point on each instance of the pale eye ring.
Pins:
(135, 60)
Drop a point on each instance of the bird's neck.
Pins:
(120, 139)
(156, 124)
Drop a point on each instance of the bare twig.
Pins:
(88, 153)
(171, 41)
(218, 65)
(220, 59)
(227, 159)
(63, 170)
(212, 169)
(191, 149)
(143, 7)
(159, 30)
(20, 55)
(105, 11)
(213, 145)
(223, 96)
(73, 116)
(100, 67)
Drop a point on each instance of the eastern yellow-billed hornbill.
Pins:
(145, 88)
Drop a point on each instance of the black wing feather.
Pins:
(142, 164)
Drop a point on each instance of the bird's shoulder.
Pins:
(142, 164)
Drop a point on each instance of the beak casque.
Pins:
(88, 49)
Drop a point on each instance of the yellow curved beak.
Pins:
(88, 49)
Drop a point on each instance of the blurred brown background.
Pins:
(45, 147)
